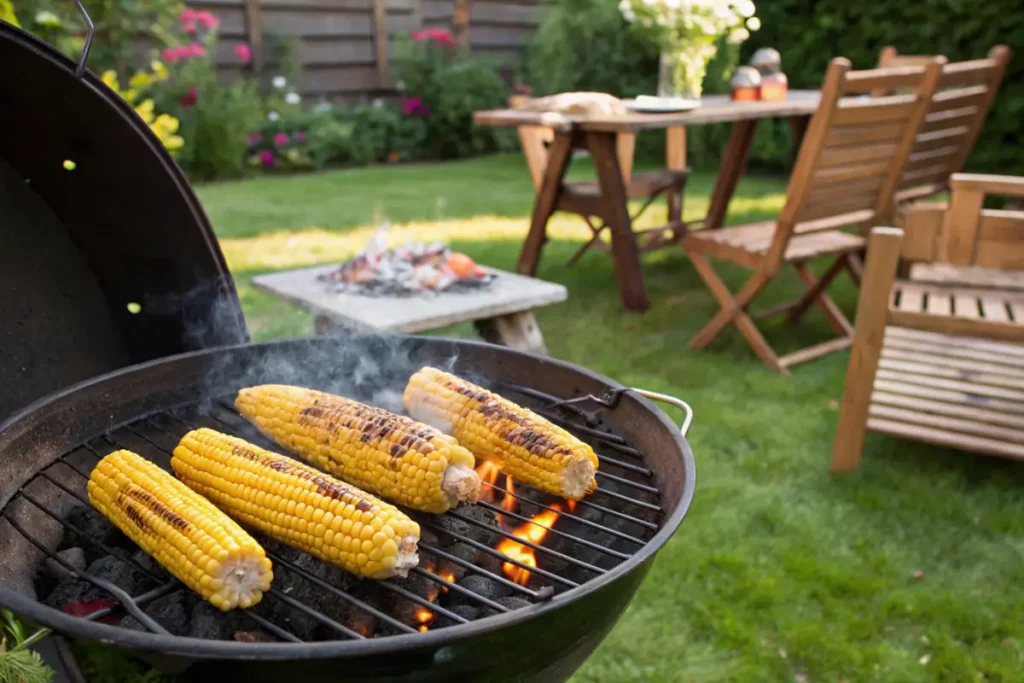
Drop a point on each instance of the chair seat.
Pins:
(969, 276)
(747, 243)
(950, 390)
(972, 312)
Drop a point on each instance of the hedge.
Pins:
(808, 33)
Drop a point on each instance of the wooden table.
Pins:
(502, 311)
(599, 135)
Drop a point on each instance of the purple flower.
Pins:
(267, 157)
(300, 136)
(254, 138)
(281, 139)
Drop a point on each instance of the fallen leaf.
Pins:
(833, 405)
(918, 574)
(782, 653)
(924, 660)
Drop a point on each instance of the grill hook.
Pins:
(89, 30)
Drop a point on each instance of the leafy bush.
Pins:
(443, 88)
(809, 34)
(215, 116)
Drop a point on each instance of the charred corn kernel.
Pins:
(406, 462)
(379, 541)
(183, 531)
(527, 447)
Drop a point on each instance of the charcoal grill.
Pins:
(84, 374)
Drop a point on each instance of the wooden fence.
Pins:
(344, 47)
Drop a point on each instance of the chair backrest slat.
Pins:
(958, 110)
(856, 146)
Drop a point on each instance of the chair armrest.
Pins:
(988, 184)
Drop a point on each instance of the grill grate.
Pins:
(626, 498)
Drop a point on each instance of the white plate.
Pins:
(661, 105)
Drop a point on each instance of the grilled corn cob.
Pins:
(194, 540)
(298, 505)
(401, 460)
(526, 446)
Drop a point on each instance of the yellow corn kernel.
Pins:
(304, 506)
(183, 531)
(527, 447)
(407, 463)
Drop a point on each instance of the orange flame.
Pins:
(425, 617)
(534, 531)
(509, 503)
(572, 505)
(488, 472)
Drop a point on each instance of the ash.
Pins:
(416, 269)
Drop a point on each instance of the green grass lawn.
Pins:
(909, 570)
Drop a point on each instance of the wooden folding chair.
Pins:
(582, 197)
(937, 363)
(845, 175)
(959, 106)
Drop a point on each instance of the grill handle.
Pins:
(672, 401)
(87, 45)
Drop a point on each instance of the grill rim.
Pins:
(200, 649)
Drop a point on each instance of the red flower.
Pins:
(189, 26)
(281, 139)
(195, 50)
(437, 35)
(189, 98)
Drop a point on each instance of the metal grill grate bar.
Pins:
(593, 546)
(448, 557)
(581, 520)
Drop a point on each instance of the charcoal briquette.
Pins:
(210, 623)
(484, 587)
(510, 603)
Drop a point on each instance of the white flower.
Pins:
(738, 36)
(49, 19)
(273, 116)
(753, 23)
(745, 8)
(292, 98)
(279, 82)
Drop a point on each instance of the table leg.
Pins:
(797, 129)
(518, 331)
(734, 164)
(544, 205)
(675, 159)
(625, 254)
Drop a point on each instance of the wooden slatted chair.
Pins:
(845, 175)
(937, 363)
(955, 117)
(583, 197)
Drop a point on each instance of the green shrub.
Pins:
(809, 34)
(373, 129)
(443, 88)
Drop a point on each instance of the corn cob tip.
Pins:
(578, 479)
(461, 484)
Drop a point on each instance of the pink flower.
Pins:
(267, 157)
(244, 53)
(207, 19)
(189, 26)
(281, 139)
(170, 55)
(414, 106)
(195, 50)
(188, 14)
(189, 98)
(300, 136)
(254, 138)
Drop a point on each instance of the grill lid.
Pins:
(81, 249)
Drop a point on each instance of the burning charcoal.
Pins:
(454, 527)
(510, 603)
(210, 623)
(484, 587)
(484, 516)
(80, 590)
(72, 556)
(361, 622)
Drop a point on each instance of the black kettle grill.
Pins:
(121, 327)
